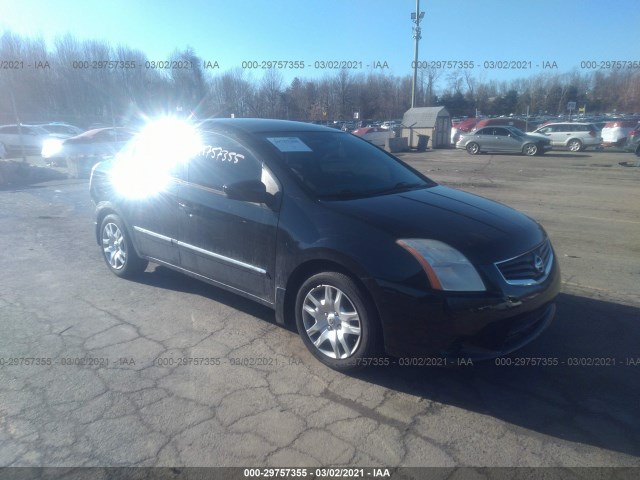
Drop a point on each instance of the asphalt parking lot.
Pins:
(144, 395)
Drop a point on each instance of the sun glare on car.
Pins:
(144, 168)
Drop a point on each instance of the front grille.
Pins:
(529, 268)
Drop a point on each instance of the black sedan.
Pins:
(365, 254)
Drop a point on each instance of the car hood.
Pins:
(483, 230)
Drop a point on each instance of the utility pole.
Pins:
(416, 16)
(18, 122)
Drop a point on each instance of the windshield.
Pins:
(337, 165)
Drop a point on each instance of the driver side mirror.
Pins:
(248, 191)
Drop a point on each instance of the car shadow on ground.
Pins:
(164, 277)
(590, 396)
(556, 154)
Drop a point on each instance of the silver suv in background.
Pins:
(572, 135)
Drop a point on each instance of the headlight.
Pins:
(446, 268)
(51, 147)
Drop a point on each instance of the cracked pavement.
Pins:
(260, 399)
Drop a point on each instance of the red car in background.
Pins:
(460, 127)
(81, 152)
(97, 142)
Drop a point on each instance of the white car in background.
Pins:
(615, 132)
(34, 139)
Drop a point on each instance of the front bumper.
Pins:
(502, 337)
(476, 326)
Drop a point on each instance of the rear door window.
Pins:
(223, 161)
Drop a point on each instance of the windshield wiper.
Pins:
(400, 187)
(342, 194)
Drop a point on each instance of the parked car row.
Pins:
(574, 136)
(57, 141)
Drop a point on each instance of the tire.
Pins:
(530, 149)
(575, 145)
(117, 249)
(473, 148)
(336, 321)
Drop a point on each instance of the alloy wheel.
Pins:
(114, 246)
(331, 322)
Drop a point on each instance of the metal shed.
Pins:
(432, 121)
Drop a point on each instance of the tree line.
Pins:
(40, 82)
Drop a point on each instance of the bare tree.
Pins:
(270, 94)
(428, 77)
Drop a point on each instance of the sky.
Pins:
(370, 33)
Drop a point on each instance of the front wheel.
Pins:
(473, 148)
(530, 149)
(336, 321)
(117, 249)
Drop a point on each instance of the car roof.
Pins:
(258, 125)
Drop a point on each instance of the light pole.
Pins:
(416, 16)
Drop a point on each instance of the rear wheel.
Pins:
(336, 321)
(575, 145)
(117, 249)
(473, 148)
(530, 149)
